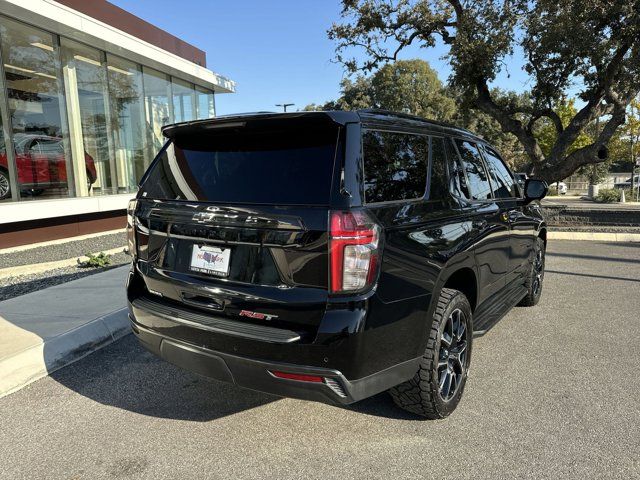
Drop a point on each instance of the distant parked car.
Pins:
(559, 188)
(40, 163)
(627, 183)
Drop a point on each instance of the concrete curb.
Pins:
(40, 360)
(46, 266)
(595, 236)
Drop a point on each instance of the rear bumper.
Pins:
(255, 374)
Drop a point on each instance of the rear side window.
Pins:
(395, 165)
(478, 185)
(266, 165)
(504, 186)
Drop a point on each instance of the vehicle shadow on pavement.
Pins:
(381, 405)
(589, 275)
(124, 375)
(593, 257)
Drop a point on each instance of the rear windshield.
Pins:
(283, 165)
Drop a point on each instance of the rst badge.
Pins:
(258, 315)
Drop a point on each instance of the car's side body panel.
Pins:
(374, 337)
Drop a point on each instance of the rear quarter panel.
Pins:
(423, 242)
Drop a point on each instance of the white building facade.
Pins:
(85, 88)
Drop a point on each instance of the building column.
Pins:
(75, 130)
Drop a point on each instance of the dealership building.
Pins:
(85, 88)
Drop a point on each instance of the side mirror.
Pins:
(534, 190)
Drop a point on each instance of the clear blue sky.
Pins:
(277, 51)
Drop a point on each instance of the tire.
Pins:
(426, 394)
(534, 280)
(5, 185)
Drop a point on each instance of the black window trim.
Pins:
(430, 165)
(485, 146)
(459, 159)
(425, 196)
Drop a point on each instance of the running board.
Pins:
(496, 307)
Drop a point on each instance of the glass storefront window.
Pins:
(86, 93)
(184, 101)
(5, 176)
(205, 104)
(157, 92)
(35, 107)
(79, 121)
(128, 127)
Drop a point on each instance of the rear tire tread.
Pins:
(418, 394)
(531, 299)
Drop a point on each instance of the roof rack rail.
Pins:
(244, 114)
(409, 116)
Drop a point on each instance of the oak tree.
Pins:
(588, 47)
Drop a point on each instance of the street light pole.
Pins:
(284, 106)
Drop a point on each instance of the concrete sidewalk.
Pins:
(48, 329)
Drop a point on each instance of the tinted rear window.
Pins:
(395, 165)
(279, 165)
(477, 178)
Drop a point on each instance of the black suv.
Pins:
(330, 255)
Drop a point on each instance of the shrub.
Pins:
(96, 261)
(612, 195)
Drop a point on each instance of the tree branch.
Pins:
(508, 124)
(589, 154)
(594, 107)
(536, 114)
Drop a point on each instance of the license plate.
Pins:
(210, 260)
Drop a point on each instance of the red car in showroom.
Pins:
(40, 163)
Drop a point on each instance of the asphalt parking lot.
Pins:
(554, 392)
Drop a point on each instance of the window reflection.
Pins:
(34, 100)
(5, 180)
(86, 89)
(504, 185)
(82, 121)
(205, 103)
(395, 165)
(128, 125)
(184, 101)
(476, 175)
(157, 91)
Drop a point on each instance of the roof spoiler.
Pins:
(241, 119)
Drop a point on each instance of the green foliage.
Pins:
(547, 134)
(408, 86)
(412, 86)
(612, 195)
(96, 261)
(623, 146)
(589, 47)
(488, 128)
